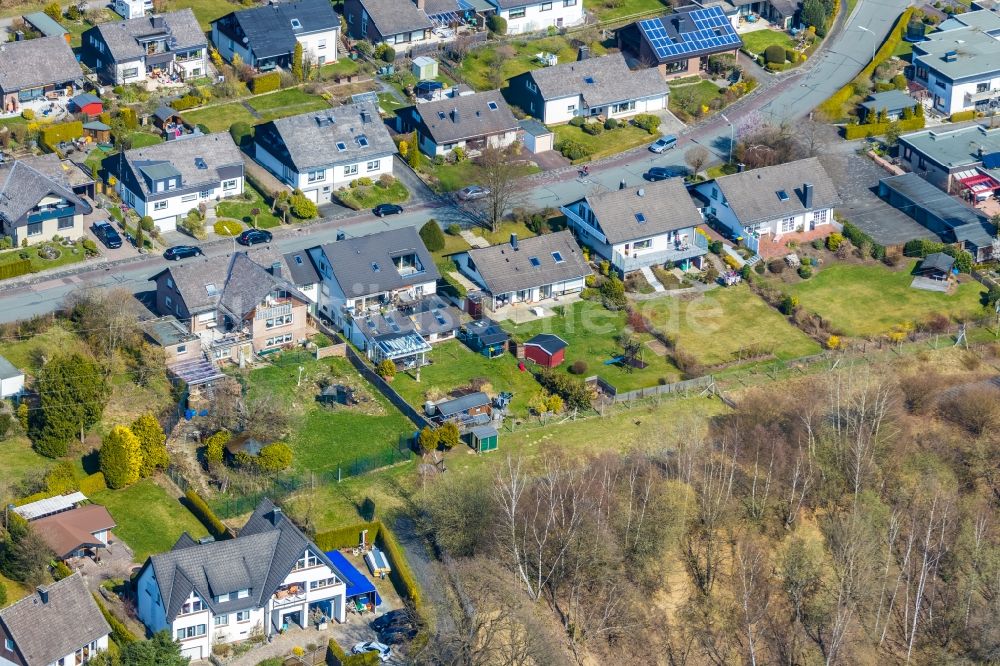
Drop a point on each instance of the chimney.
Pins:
(583, 53)
(276, 269)
(157, 21)
(43, 593)
(454, 115)
(513, 241)
(807, 195)
(421, 4)
(275, 516)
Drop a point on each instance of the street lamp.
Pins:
(874, 39)
(732, 136)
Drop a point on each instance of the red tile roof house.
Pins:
(72, 533)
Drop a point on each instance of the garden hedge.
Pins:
(53, 134)
(401, 575)
(962, 116)
(877, 129)
(265, 83)
(857, 237)
(120, 633)
(347, 537)
(204, 513)
(15, 268)
(335, 656)
(93, 483)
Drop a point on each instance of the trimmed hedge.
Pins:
(265, 83)
(120, 634)
(857, 237)
(335, 656)
(93, 483)
(53, 134)
(962, 116)
(204, 513)
(401, 575)
(187, 102)
(15, 268)
(877, 129)
(347, 537)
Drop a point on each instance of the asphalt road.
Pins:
(789, 98)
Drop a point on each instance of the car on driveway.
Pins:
(383, 650)
(660, 173)
(382, 210)
(182, 252)
(254, 236)
(473, 192)
(398, 634)
(663, 144)
(108, 235)
(396, 617)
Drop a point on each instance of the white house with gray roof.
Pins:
(269, 577)
(591, 88)
(469, 122)
(524, 16)
(637, 227)
(265, 37)
(953, 159)
(34, 68)
(322, 151)
(37, 201)
(134, 50)
(57, 625)
(167, 180)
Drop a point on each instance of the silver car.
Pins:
(473, 192)
(663, 144)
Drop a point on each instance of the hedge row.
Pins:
(962, 116)
(335, 656)
(15, 268)
(204, 513)
(120, 634)
(347, 537)
(265, 83)
(857, 237)
(93, 483)
(53, 134)
(878, 129)
(401, 575)
(186, 102)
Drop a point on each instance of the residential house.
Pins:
(771, 205)
(381, 291)
(406, 22)
(11, 379)
(638, 227)
(76, 532)
(303, 274)
(469, 122)
(323, 151)
(131, 9)
(34, 69)
(238, 306)
(953, 221)
(57, 625)
(601, 87)
(965, 159)
(176, 340)
(169, 46)
(960, 65)
(471, 409)
(167, 180)
(271, 576)
(38, 201)
(524, 16)
(679, 44)
(265, 37)
(892, 102)
(526, 270)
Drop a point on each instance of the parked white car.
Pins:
(384, 651)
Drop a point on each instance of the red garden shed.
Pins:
(545, 349)
(89, 104)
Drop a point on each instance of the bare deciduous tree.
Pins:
(498, 171)
(696, 158)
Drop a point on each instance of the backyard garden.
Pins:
(489, 67)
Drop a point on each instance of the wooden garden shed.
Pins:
(484, 438)
(546, 350)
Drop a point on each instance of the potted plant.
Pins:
(318, 618)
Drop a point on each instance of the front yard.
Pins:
(360, 197)
(241, 209)
(689, 99)
(490, 67)
(608, 142)
(452, 177)
(611, 10)
(867, 300)
(64, 256)
(755, 42)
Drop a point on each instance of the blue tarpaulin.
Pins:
(358, 584)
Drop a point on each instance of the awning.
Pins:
(358, 584)
(977, 182)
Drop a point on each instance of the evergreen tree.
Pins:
(448, 435)
(152, 443)
(121, 458)
(414, 156)
(432, 236)
(24, 557)
(72, 392)
(814, 14)
(297, 62)
(160, 650)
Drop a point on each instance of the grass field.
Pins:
(149, 520)
(324, 438)
(239, 209)
(19, 461)
(624, 8)
(143, 139)
(869, 300)
(591, 332)
(219, 118)
(476, 67)
(608, 142)
(452, 177)
(717, 326)
(29, 354)
(288, 102)
(454, 366)
(755, 42)
(205, 11)
(388, 103)
(691, 98)
(371, 195)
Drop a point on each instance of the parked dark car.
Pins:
(387, 209)
(108, 235)
(660, 173)
(254, 236)
(395, 627)
(398, 634)
(182, 252)
(395, 617)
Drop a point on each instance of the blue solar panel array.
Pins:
(712, 30)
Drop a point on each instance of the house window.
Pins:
(321, 44)
(190, 632)
(787, 225)
(181, 349)
(229, 184)
(326, 582)
(983, 87)
(280, 340)
(243, 616)
(307, 560)
(351, 170)
(168, 302)
(284, 320)
(643, 244)
(221, 620)
(35, 229)
(192, 606)
(907, 153)
(623, 107)
(204, 194)
(530, 85)
(65, 222)
(9, 644)
(314, 176)
(569, 3)
(373, 165)
(159, 205)
(189, 197)
(243, 594)
(517, 13)
(222, 598)
(170, 283)
(130, 73)
(819, 217)
(546, 6)
(571, 108)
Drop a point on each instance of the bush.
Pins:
(93, 484)
(185, 103)
(578, 367)
(497, 24)
(204, 513)
(834, 240)
(121, 457)
(241, 132)
(789, 304)
(336, 655)
(805, 272)
(962, 116)
(15, 268)
(428, 439)
(385, 52)
(453, 229)
(572, 150)
(120, 633)
(593, 128)
(573, 391)
(147, 223)
(610, 124)
(60, 570)
(53, 134)
(401, 575)
(852, 132)
(346, 537)
(577, 121)
(774, 54)
(648, 122)
(858, 237)
(776, 266)
(264, 83)
(275, 457)
(386, 369)
(613, 293)
(303, 208)
(28, 114)
(215, 446)
(432, 236)
(61, 479)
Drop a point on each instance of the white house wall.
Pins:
(563, 109)
(559, 14)
(949, 96)
(177, 206)
(320, 45)
(321, 191)
(11, 386)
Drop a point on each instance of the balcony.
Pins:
(51, 213)
(971, 99)
(293, 593)
(679, 251)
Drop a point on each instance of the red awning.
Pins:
(980, 182)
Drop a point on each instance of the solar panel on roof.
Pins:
(712, 30)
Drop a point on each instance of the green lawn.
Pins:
(149, 520)
(240, 209)
(755, 42)
(454, 366)
(18, 460)
(28, 354)
(324, 438)
(205, 11)
(717, 326)
(452, 177)
(67, 255)
(612, 11)
(369, 196)
(870, 299)
(476, 67)
(288, 102)
(608, 142)
(690, 98)
(389, 104)
(591, 332)
(143, 139)
(343, 67)
(219, 118)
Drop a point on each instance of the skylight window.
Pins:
(210, 288)
(363, 141)
(535, 262)
(375, 268)
(589, 80)
(492, 105)
(296, 24)
(298, 259)
(200, 163)
(782, 195)
(640, 218)
(441, 115)
(558, 257)
(341, 146)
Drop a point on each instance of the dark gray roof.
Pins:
(259, 558)
(427, 316)
(7, 369)
(84, 99)
(463, 403)
(938, 261)
(534, 128)
(392, 17)
(923, 200)
(352, 262)
(269, 29)
(37, 62)
(549, 342)
(23, 183)
(505, 269)
(890, 100)
(313, 140)
(248, 283)
(301, 269)
(488, 331)
(601, 81)
(644, 211)
(164, 113)
(45, 631)
(215, 150)
(167, 331)
(753, 195)
(181, 27)
(466, 117)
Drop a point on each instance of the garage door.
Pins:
(194, 652)
(312, 195)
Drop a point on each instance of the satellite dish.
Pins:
(246, 40)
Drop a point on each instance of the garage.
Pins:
(537, 137)
(193, 652)
(312, 195)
